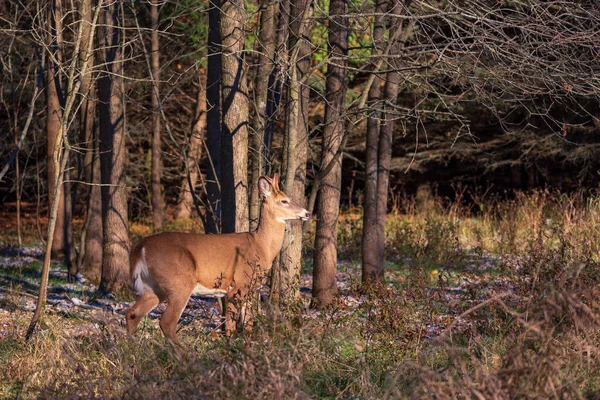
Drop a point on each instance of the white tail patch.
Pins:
(140, 272)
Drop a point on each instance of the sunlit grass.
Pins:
(494, 302)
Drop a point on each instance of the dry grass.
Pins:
(500, 301)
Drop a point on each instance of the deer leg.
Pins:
(230, 316)
(168, 323)
(147, 301)
(222, 305)
(236, 311)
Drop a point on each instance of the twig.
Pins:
(13, 154)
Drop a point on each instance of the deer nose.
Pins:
(306, 215)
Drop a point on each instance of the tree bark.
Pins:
(386, 130)
(112, 155)
(266, 49)
(63, 241)
(90, 253)
(234, 134)
(186, 197)
(325, 260)
(213, 119)
(275, 80)
(371, 269)
(60, 160)
(296, 146)
(273, 102)
(158, 206)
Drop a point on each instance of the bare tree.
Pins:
(115, 223)
(325, 260)
(258, 123)
(276, 80)
(55, 103)
(386, 131)
(213, 119)
(186, 200)
(158, 206)
(61, 157)
(295, 144)
(90, 252)
(234, 134)
(379, 143)
(371, 270)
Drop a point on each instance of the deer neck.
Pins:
(269, 235)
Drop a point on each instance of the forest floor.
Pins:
(500, 304)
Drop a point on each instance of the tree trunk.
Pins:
(213, 119)
(273, 101)
(90, 253)
(325, 260)
(63, 241)
(234, 134)
(275, 81)
(158, 206)
(296, 146)
(112, 155)
(266, 51)
(91, 257)
(60, 160)
(53, 120)
(18, 193)
(371, 269)
(186, 197)
(386, 130)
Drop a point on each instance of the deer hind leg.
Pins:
(168, 323)
(142, 306)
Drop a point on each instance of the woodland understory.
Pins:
(448, 152)
(495, 303)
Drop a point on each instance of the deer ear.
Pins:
(276, 181)
(265, 186)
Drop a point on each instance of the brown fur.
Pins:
(177, 262)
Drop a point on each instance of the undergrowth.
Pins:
(497, 300)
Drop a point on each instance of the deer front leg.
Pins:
(147, 301)
(235, 317)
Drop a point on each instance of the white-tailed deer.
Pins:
(173, 266)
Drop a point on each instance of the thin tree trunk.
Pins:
(234, 134)
(325, 260)
(54, 118)
(386, 130)
(296, 146)
(69, 244)
(63, 242)
(87, 111)
(273, 101)
(371, 270)
(112, 155)
(276, 81)
(60, 159)
(90, 253)
(185, 204)
(157, 198)
(18, 194)
(213, 119)
(266, 51)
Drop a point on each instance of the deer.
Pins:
(173, 266)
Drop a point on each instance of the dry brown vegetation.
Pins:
(497, 300)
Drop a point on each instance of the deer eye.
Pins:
(284, 201)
